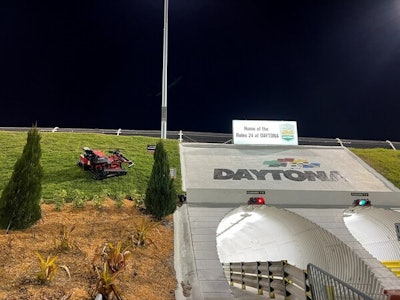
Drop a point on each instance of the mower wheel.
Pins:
(100, 175)
(81, 165)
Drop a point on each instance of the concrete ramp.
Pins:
(287, 175)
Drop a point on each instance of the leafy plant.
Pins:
(137, 198)
(105, 193)
(106, 285)
(139, 237)
(59, 199)
(65, 242)
(115, 256)
(78, 198)
(118, 197)
(98, 201)
(48, 269)
(114, 262)
(119, 203)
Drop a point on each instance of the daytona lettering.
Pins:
(294, 175)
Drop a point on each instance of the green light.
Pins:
(362, 202)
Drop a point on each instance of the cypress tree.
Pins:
(20, 199)
(161, 197)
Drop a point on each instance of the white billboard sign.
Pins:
(264, 132)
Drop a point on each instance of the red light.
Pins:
(256, 201)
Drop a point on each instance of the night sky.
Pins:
(331, 66)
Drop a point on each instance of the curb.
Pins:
(185, 268)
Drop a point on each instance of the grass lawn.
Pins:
(384, 161)
(60, 154)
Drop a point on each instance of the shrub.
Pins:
(137, 198)
(78, 198)
(20, 199)
(98, 201)
(161, 198)
(59, 199)
(118, 197)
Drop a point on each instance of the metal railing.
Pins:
(325, 286)
(213, 137)
(282, 278)
(273, 277)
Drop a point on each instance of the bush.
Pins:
(59, 199)
(20, 199)
(98, 201)
(161, 198)
(78, 198)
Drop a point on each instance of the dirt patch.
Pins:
(149, 273)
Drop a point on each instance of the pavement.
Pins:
(198, 270)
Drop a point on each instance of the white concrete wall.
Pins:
(239, 167)
(290, 198)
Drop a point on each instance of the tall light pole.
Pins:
(164, 75)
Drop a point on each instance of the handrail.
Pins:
(273, 277)
(213, 137)
(282, 278)
(326, 286)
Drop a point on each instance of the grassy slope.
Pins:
(60, 154)
(385, 161)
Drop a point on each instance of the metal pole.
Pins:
(164, 75)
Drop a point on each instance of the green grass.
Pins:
(60, 154)
(384, 161)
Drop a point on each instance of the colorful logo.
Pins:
(291, 163)
(287, 131)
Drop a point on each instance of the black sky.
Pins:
(332, 66)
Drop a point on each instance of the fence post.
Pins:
(259, 275)
(230, 274)
(329, 292)
(307, 285)
(270, 279)
(180, 136)
(242, 276)
(286, 280)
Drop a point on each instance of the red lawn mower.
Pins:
(103, 166)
